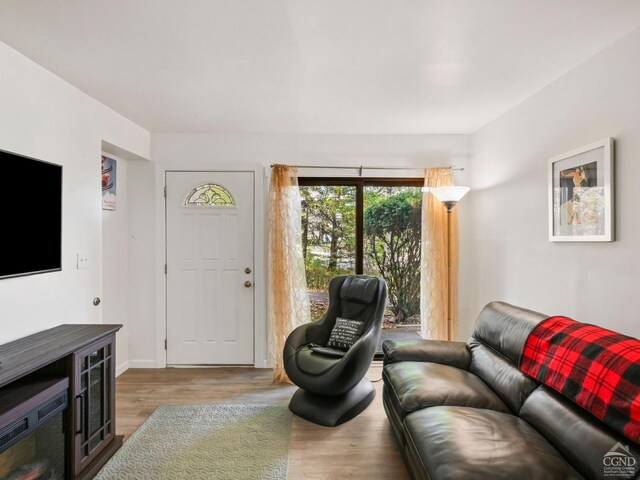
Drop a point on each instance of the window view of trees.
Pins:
(328, 233)
(392, 220)
(391, 243)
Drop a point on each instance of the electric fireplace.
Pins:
(32, 429)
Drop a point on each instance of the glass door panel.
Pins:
(391, 250)
(95, 400)
(328, 238)
(94, 396)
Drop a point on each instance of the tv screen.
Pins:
(31, 216)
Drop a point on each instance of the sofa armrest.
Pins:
(455, 354)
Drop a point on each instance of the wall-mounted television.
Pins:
(30, 216)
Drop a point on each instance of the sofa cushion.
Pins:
(417, 385)
(455, 354)
(504, 378)
(505, 328)
(472, 443)
(567, 427)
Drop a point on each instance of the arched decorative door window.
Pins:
(210, 195)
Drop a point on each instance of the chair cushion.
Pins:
(359, 289)
(471, 443)
(313, 363)
(345, 333)
(417, 385)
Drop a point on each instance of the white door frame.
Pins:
(260, 344)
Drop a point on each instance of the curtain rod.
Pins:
(362, 167)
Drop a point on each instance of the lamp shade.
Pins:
(452, 193)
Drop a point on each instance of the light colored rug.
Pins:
(197, 442)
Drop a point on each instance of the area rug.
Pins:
(206, 442)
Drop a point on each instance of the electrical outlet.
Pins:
(83, 261)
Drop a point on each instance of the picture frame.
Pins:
(108, 179)
(581, 194)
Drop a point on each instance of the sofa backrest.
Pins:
(580, 437)
(496, 344)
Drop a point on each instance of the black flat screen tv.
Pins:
(30, 216)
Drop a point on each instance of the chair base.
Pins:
(333, 411)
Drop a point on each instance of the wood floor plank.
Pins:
(363, 448)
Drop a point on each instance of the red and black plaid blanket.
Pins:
(594, 367)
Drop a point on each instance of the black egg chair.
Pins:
(332, 389)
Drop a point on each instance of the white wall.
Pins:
(44, 117)
(115, 264)
(146, 258)
(129, 264)
(220, 151)
(511, 258)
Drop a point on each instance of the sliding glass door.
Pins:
(369, 226)
(328, 238)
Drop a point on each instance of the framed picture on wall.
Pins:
(581, 194)
(108, 176)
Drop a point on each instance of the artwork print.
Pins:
(109, 166)
(581, 195)
(581, 200)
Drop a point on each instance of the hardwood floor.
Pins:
(362, 448)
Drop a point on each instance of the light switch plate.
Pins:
(83, 261)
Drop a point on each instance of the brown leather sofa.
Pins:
(465, 411)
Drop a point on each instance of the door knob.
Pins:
(247, 270)
(248, 284)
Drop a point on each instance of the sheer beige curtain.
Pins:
(437, 322)
(288, 299)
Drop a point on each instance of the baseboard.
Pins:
(123, 367)
(152, 364)
(142, 364)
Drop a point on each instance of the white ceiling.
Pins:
(321, 66)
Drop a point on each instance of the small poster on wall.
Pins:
(109, 166)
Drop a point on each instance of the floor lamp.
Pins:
(449, 196)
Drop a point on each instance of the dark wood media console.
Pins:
(73, 365)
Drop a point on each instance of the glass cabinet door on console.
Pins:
(94, 392)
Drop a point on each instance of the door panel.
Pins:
(210, 237)
(94, 417)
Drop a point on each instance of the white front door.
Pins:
(210, 295)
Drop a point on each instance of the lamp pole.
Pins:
(449, 205)
(449, 209)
